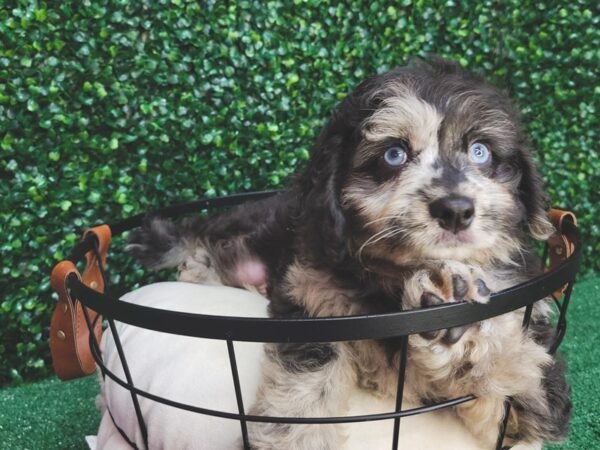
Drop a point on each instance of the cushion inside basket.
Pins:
(196, 371)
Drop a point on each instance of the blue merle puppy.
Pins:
(420, 190)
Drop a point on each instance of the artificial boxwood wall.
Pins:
(111, 108)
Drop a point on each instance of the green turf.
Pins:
(50, 414)
(56, 415)
(581, 347)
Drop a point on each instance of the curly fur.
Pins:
(352, 235)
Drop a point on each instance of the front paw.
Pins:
(446, 282)
(155, 244)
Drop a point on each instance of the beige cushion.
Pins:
(196, 371)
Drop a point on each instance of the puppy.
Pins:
(420, 190)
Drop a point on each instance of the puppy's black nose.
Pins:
(454, 212)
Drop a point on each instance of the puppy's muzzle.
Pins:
(453, 213)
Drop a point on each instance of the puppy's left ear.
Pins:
(534, 199)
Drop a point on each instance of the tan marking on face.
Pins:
(397, 208)
(400, 204)
(482, 123)
(405, 117)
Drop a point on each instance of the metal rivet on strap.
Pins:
(61, 335)
(94, 284)
(559, 250)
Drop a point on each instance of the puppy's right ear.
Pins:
(321, 218)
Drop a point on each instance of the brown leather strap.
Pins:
(92, 276)
(69, 333)
(560, 247)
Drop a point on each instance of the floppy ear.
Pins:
(535, 200)
(321, 218)
(322, 221)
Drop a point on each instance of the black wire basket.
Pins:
(265, 330)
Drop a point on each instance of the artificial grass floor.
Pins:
(49, 414)
(57, 415)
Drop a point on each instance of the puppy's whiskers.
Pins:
(380, 220)
(380, 235)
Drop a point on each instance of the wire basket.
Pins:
(95, 304)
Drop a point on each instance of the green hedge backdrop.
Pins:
(111, 108)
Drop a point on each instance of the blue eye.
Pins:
(395, 156)
(479, 153)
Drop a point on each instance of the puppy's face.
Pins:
(437, 170)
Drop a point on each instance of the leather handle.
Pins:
(92, 276)
(69, 332)
(560, 247)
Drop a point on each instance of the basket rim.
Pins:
(325, 329)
